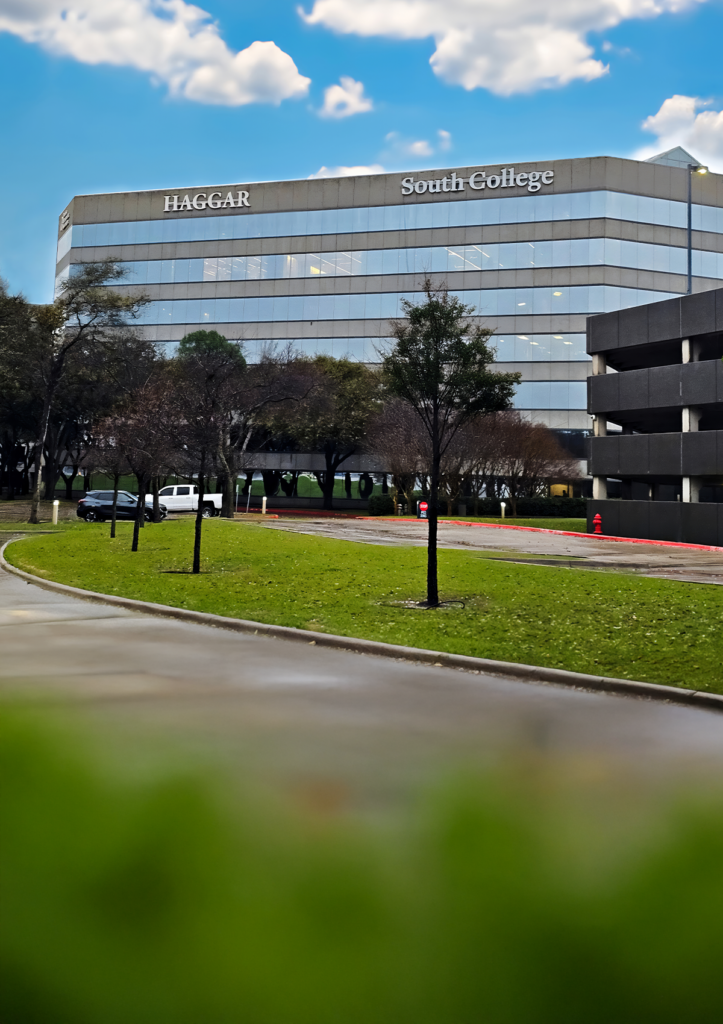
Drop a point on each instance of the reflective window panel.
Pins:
(551, 394)
(509, 348)
(539, 348)
(455, 213)
(489, 302)
(579, 252)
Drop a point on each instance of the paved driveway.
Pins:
(296, 712)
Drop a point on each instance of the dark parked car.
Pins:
(98, 505)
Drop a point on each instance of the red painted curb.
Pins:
(558, 533)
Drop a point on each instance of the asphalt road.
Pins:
(365, 726)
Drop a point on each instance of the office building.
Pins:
(535, 248)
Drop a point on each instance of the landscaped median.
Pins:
(601, 623)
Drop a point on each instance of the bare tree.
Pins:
(85, 312)
(396, 437)
(144, 435)
(531, 456)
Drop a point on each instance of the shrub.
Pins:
(529, 508)
(148, 900)
(381, 505)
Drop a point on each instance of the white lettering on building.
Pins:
(507, 178)
(206, 200)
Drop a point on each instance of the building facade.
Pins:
(656, 395)
(324, 264)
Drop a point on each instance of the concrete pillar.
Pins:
(691, 418)
(691, 488)
(599, 487)
(599, 365)
(685, 343)
(599, 426)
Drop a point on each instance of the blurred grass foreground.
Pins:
(127, 900)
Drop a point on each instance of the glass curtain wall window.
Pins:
(492, 302)
(509, 348)
(408, 217)
(441, 259)
(551, 394)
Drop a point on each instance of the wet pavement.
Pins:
(299, 712)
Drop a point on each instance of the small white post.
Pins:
(503, 506)
(263, 506)
(56, 504)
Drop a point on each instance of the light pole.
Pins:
(699, 169)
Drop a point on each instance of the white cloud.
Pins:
(506, 46)
(347, 172)
(683, 121)
(174, 41)
(400, 148)
(345, 99)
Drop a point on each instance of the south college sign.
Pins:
(507, 178)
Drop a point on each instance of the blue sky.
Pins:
(111, 95)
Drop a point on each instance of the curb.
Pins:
(421, 656)
(557, 533)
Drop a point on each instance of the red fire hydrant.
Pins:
(597, 523)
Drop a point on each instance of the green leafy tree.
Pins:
(330, 415)
(19, 407)
(87, 312)
(440, 366)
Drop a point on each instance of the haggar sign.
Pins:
(206, 201)
(507, 177)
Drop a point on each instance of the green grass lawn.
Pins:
(598, 622)
(7, 528)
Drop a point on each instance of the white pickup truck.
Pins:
(184, 498)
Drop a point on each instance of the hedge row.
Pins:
(527, 508)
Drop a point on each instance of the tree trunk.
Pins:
(51, 475)
(139, 520)
(35, 504)
(199, 516)
(327, 487)
(116, 481)
(228, 504)
(156, 500)
(432, 589)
